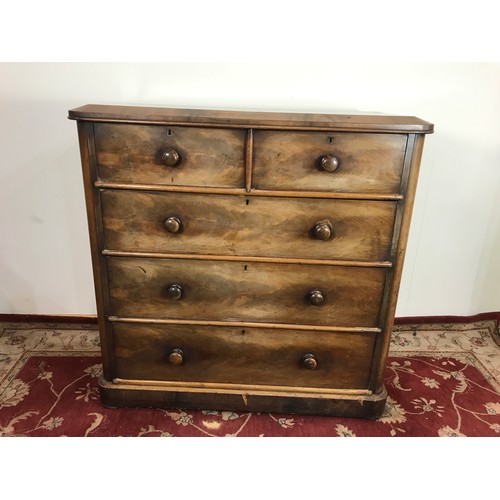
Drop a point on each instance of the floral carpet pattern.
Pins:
(442, 380)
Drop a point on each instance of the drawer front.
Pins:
(144, 154)
(367, 163)
(250, 356)
(238, 225)
(238, 291)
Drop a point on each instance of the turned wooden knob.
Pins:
(315, 298)
(309, 361)
(170, 157)
(329, 163)
(176, 357)
(323, 230)
(173, 224)
(175, 291)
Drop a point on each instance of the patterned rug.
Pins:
(442, 380)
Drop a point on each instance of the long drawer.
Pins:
(239, 291)
(239, 225)
(323, 161)
(233, 355)
(172, 156)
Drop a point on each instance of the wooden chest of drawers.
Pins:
(247, 261)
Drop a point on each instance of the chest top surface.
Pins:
(254, 119)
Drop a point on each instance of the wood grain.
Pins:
(234, 291)
(236, 356)
(250, 119)
(333, 195)
(94, 220)
(399, 249)
(131, 154)
(248, 161)
(243, 226)
(368, 163)
(118, 394)
(248, 258)
(224, 387)
(247, 324)
(248, 189)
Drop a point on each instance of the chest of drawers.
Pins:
(247, 261)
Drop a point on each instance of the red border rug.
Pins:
(442, 380)
(440, 396)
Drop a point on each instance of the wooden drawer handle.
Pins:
(173, 225)
(323, 230)
(315, 298)
(176, 357)
(309, 361)
(170, 157)
(175, 291)
(328, 163)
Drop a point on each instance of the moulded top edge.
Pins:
(249, 119)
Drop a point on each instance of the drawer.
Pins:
(145, 154)
(237, 356)
(245, 226)
(367, 163)
(239, 291)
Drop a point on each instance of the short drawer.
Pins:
(245, 226)
(242, 356)
(239, 291)
(323, 161)
(173, 156)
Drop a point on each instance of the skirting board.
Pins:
(48, 318)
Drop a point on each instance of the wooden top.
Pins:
(251, 119)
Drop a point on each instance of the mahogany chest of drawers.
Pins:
(247, 261)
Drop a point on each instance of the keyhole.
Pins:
(330, 139)
(245, 268)
(169, 132)
(248, 202)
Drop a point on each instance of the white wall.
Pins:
(453, 258)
